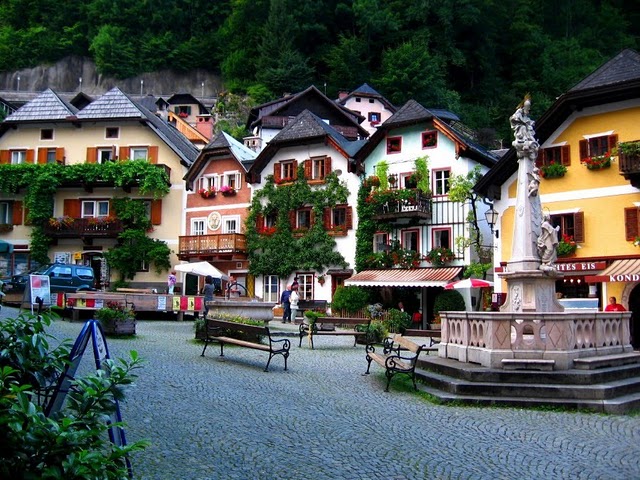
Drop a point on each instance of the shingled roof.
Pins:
(113, 104)
(618, 80)
(46, 106)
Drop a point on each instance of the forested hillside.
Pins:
(476, 57)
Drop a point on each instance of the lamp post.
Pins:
(141, 86)
(80, 82)
(18, 83)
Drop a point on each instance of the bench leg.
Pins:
(266, 369)
(222, 349)
(413, 377)
(389, 374)
(206, 344)
(368, 365)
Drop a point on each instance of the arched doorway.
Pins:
(634, 307)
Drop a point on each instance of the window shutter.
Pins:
(631, 223)
(60, 155)
(238, 181)
(565, 155)
(30, 156)
(327, 166)
(349, 218)
(27, 220)
(578, 227)
(584, 149)
(156, 212)
(125, 153)
(17, 213)
(541, 156)
(259, 222)
(71, 208)
(612, 142)
(42, 155)
(312, 218)
(308, 173)
(326, 218)
(114, 152)
(92, 155)
(153, 155)
(5, 156)
(277, 171)
(295, 170)
(292, 218)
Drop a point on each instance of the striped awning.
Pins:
(627, 270)
(395, 277)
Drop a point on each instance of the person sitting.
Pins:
(614, 306)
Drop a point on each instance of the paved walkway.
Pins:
(208, 418)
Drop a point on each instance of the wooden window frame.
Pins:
(404, 232)
(394, 145)
(376, 243)
(560, 154)
(436, 181)
(429, 139)
(564, 221)
(46, 134)
(436, 240)
(112, 133)
(595, 146)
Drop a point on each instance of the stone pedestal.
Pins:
(531, 291)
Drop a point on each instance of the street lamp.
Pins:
(18, 83)
(492, 218)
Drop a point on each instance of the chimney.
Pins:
(204, 125)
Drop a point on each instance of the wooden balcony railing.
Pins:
(629, 167)
(84, 228)
(211, 244)
(388, 207)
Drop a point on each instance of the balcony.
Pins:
(629, 162)
(213, 245)
(402, 203)
(84, 228)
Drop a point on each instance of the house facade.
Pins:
(370, 104)
(589, 164)
(217, 202)
(416, 241)
(302, 218)
(52, 135)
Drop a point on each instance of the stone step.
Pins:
(592, 363)
(528, 364)
(498, 389)
(617, 406)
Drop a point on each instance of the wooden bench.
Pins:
(399, 355)
(327, 326)
(316, 305)
(218, 331)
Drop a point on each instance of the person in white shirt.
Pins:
(293, 300)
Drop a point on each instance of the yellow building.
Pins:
(589, 163)
(110, 130)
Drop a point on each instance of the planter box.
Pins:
(123, 327)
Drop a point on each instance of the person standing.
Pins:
(171, 282)
(208, 291)
(295, 283)
(286, 305)
(614, 306)
(293, 299)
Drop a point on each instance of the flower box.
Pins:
(207, 192)
(439, 256)
(598, 162)
(227, 191)
(553, 170)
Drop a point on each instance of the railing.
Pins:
(204, 244)
(629, 163)
(84, 227)
(395, 206)
(488, 337)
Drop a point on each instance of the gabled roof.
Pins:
(413, 113)
(187, 99)
(46, 106)
(295, 104)
(615, 81)
(365, 90)
(222, 144)
(306, 128)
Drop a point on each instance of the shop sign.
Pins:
(580, 266)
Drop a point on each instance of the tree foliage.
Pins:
(474, 56)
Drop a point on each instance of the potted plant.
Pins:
(628, 149)
(598, 162)
(207, 192)
(117, 319)
(321, 279)
(227, 191)
(567, 246)
(393, 180)
(553, 170)
(439, 256)
(373, 181)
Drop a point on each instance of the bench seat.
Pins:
(326, 326)
(399, 356)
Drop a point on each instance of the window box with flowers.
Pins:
(268, 231)
(207, 192)
(598, 162)
(553, 170)
(439, 256)
(567, 246)
(227, 191)
(183, 114)
(61, 222)
(373, 181)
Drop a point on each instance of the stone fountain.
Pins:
(531, 330)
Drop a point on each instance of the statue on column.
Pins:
(548, 244)
(523, 128)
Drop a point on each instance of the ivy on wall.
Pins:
(367, 227)
(281, 252)
(40, 183)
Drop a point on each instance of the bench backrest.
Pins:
(407, 344)
(216, 324)
(344, 320)
(311, 304)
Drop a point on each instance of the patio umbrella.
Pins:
(201, 268)
(468, 283)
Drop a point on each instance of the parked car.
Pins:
(64, 277)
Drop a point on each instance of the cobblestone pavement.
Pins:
(208, 418)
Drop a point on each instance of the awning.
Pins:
(627, 270)
(6, 247)
(395, 277)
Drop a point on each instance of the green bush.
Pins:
(396, 320)
(449, 300)
(351, 299)
(70, 444)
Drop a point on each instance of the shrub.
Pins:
(396, 320)
(351, 299)
(449, 300)
(70, 444)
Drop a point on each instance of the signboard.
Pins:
(39, 287)
(580, 266)
(91, 331)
